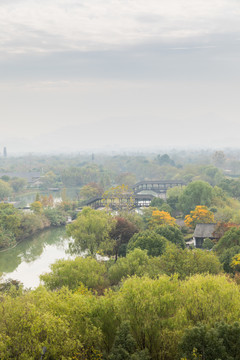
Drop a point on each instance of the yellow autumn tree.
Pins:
(201, 215)
(161, 218)
(235, 263)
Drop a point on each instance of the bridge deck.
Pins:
(135, 200)
(159, 186)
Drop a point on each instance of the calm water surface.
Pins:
(33, 256)
(23, 200)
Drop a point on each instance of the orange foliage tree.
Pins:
(201, 215)
(161, 218)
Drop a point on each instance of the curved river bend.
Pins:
(33, 256)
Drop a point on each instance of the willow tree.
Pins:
(90, 232)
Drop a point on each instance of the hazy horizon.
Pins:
(115, 75)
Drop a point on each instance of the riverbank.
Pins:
(17, 225)
(34, 255)
(30, 236)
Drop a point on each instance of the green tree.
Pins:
(230, 239)
(172, 234)
(7, 238)
(125, 347)
(31, 223)
(157, 202)
(173, 195)
(90, 232)
(201, 343)
(161, 205)
(195, 193)
(148, 240)
(150, 307)
(135, 263)
(226, 258)
(36, 207)
(231, 187)
(5, 190)
(27, 324)
(208, 244)
(219, 342)
(188, 262)
(206, 299)
(10, 220)
(91, 190)
(56, 216)
(72, 273)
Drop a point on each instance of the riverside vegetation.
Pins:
(16, 225)
(153, 299)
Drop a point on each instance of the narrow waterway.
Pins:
(33, 256)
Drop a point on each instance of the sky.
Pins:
(89, 75)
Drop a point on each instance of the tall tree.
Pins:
(148, 240)
(5, 190)
(121, 234)
(201, 215)
(90, 231)
(171, 233)
(195, 193)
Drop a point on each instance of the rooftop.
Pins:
(204, 230)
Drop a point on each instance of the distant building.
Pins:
(203, 231)
(5, 151)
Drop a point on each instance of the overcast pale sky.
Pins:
(87, 74)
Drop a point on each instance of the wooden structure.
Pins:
(128, 200)
(158, 186)
(137, 199)
(203, 231)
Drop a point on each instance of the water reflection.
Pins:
(33, 256)
(23, 200)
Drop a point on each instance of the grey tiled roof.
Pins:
(204, 230)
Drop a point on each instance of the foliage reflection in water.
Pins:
(33, 256)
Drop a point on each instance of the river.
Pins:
(33, 256)
(26, 199)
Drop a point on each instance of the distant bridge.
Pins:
(133, 201)
(158, 186)
(137, 199)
